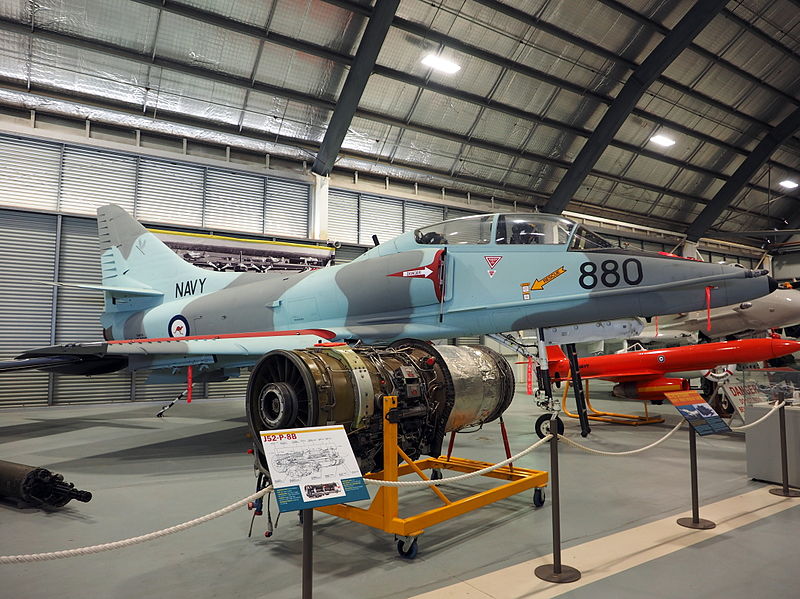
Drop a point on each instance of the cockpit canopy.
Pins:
(511, 229)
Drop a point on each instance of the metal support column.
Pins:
(695, 521)
(556, 572)
(784, 491)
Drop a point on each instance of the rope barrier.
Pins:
(569, 441)
(776, 406)
(41, 557)
(460, 477)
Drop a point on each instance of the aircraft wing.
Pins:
(170, 352)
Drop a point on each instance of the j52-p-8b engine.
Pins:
(440, 388)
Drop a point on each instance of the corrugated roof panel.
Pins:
(483, 164)
(427, 150)
(759, 58)
(304, 122)
(287, 68)
(592, 21)
(718, 35)
(698, 184)
(694, 113)
(526, 93)
(546, 141)
(204, 45)
(404, 52)
(651, 171)
(60, 67)
(478, 25)
(388, 96)
(118, 22)
(264, 112)
(13, 56)
(319, 22)
(252, 12)
(443, 112)
(502, 129)
(210, 100)
(371, 137)
(17, 10)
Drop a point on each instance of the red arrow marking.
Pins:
(432, 271)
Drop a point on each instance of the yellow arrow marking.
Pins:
(538, 285)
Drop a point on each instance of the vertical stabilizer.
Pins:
(134, 258)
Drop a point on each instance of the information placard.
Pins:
(701, 416)
(312, 467)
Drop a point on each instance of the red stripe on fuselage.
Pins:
(316, 332)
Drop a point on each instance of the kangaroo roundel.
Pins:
(178, 326)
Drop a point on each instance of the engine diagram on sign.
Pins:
(309, 459)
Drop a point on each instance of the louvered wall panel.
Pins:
(78, 314)
(92, 178)
(233, 387)
(170, 192)
(234, 201)
(27, 255)
(159, 392)
(456, 213)
(286, 208)
(29, 172)
(379, 216)
(343, 216)
(421, 215)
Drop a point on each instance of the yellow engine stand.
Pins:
(629, 419)
(383, 510)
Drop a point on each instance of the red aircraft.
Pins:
(647, 375)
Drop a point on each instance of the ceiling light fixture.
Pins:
(788, 184)
(440, 64)
(662, 140)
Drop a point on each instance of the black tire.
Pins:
(538, 497)
(542, 426)
(407, 553)
(436, 474)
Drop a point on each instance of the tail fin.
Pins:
(134, 259)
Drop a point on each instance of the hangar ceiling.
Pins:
(536, 79)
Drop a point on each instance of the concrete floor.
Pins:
(147, 474)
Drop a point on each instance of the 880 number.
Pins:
(610, 273)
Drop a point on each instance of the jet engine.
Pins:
(440, 388)
(651, 389)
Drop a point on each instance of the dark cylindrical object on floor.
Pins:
(37, 486)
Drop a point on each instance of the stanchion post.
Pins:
(695, 521)
(784, 491)
(556, 572)
(308, 553)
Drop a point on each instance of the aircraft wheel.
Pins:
(538, 497)
(542, 426)
(407, 552)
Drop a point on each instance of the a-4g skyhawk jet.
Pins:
(467, 276)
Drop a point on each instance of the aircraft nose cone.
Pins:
(782, 347)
